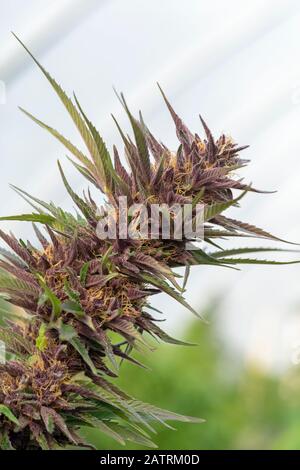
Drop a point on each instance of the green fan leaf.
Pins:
(248, 228)
(5, 443)
(102, 426)
(49, 295)
(41, 218)
(74, 150)
(18, 285)
(103, 161)
(246, 250)
(141, 144)
(42, 341)
(129, 433)
(70, 107)
(80, 203)
(258, 261)
(4, 410)
(69, 334)
(164, 286)
(211, 211)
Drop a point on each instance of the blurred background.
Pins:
(237, 64)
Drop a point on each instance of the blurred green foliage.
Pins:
(243, 407)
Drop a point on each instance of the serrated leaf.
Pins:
(12, 257)
(85, 172)
(126, 328)
(66, 332)
(41, 341)
(83, 273)
(106, 256)
(71, 293)
(166, 338)
(50, 413)
(128, 433)
(48, 419)
(161, 414)
(18, 285)
(158, 267)
(42, 441)
(103, 161)
(258, 261)
(81, 349)
(159, 171)
(131, 157)
(248, 228)
(240, 251)
(205, 258)
(80, 203)
(103, 427)
(5, 443)
(15, 341)
(211, 211)
(54, 300)
(141, 144)
(74, 307)
(4, 410)
(38, 201)
(198, 197)
(169, 290)
(68, 104)
(41, 218)
(74, 150)
(106, 344)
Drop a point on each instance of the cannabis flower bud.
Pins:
(85, 297)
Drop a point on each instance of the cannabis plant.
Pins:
(85, 299)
